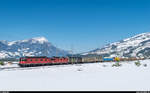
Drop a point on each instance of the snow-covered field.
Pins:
(78, 77)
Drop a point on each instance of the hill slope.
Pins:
(136, 46)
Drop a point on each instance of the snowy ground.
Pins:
(78, 77)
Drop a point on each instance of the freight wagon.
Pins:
(74, 60)
(92, 59)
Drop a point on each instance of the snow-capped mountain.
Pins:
(38, 46)
(136, 46)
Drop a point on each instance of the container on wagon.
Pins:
(108, 59)
(116, 59)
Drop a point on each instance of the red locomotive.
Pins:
(39, 61)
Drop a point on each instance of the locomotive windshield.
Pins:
(23, 59)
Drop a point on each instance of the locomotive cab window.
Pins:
(52, 59)
(23, 60)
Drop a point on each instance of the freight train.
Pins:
(43, 60)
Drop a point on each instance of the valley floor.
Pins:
(78, 77)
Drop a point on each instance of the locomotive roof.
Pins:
(40, 57)
(35, 57)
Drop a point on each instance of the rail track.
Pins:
(15, 68)
(43, 67)
(35, 67)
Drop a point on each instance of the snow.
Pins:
(11, 43)
(3, 54)
(40, 39)
(34, 40)
(78, 77)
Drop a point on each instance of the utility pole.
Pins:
(73, 60)
(56, 51)
(46, 50)
(21, 51)
(72, 50)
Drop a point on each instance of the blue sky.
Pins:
(81, 25)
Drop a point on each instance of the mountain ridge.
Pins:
(37, 46)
